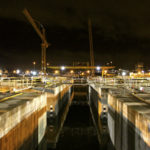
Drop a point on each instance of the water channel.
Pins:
(75, 128)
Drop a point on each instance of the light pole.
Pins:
(34, 63)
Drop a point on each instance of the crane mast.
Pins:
(91, 44)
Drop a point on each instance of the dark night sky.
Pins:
(121, 31)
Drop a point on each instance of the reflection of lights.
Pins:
(123, 73)
(62, 68)
(98, 68)
(17, 71)
(88, 71)
(71, 71)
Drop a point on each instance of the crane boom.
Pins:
(31, 20)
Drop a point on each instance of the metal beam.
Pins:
(81, 67)
(31, 20)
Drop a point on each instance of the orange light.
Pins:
(88, 71)
(71, 71)
(14, 71)
(56, 72)
(27, 72)
(105, 71)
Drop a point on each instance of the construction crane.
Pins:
(91, 44)
(41, 34)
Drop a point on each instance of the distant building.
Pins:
(139, 67)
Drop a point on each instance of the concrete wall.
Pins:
(99, 97)
(56, 97)
(22, 121)
(128, 122)
(98, 102)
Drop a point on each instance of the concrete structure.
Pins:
(98, 105)
(127, 115)
(23, 121)
(128, 120)
(55, 123)
(56, 97)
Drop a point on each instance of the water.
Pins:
(78, 131)
(74, 128)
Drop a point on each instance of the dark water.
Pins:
(73, 129)
(78, 131)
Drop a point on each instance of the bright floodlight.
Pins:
(62, 68)
(123, 73)
(17, 71)
(34, 73)
(98, 68)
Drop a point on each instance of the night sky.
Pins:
(121, 32)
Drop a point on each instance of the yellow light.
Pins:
(34, 63)
(131, 74)
(14, 71)
(105, 71)
(56, 72)
(82, 73)
(71, 71)
(88, 71)
(27, 72)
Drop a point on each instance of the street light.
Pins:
(34, 63)
(27, 72)
(71, 71)
(88, 71)
(56, 72)
(98, 68)
(34, 73)
(17, 71)
(123, 73)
